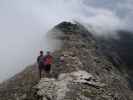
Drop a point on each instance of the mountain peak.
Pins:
(85, 74)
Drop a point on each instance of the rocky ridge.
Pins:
(84, 74)
(80, 53)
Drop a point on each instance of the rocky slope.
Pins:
(119, 52)
(86, 73)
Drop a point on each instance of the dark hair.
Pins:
(48, 52)
(41, 52)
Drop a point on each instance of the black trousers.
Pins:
(46, 68)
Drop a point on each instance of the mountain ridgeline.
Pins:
(94, 68)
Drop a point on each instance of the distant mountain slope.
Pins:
(93, 70)
(119, 51)
(20, 84)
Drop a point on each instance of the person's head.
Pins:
(41, 52)
(48, 53)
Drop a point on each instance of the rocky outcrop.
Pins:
(80, 71)
(119, 51)
(66, 84)
(20, 86)
(84, 74)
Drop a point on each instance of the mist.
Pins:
(24, 25)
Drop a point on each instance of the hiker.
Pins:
(40, 61)
(47, 62)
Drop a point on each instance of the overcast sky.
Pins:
(24, 23)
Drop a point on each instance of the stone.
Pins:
(56, 89)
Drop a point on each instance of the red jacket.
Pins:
(48, 59)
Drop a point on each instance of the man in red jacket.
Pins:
(47, 62)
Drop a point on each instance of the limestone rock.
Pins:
(57, 89)
(81, 70)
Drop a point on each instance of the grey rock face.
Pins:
(96, 77)
(78, 72)
(59, 89)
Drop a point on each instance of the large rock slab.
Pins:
(61, 88)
